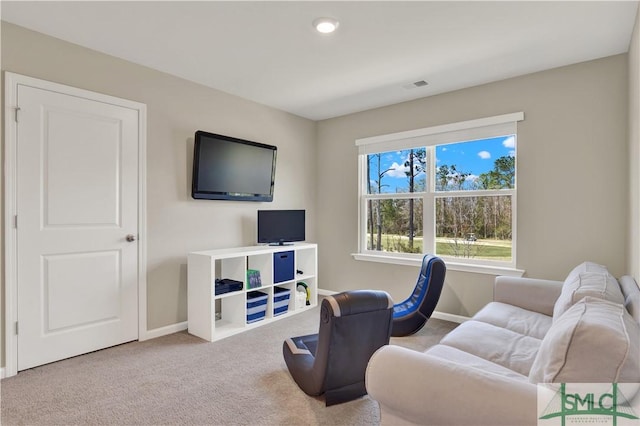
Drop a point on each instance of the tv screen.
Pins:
(226, 168)
(280, 226)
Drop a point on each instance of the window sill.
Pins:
(451, 266)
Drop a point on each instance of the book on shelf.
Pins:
(253, 278)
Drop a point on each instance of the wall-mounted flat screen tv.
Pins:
(227, 168)
(281, 227)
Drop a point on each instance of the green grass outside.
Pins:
(484, 250)
(480, 249)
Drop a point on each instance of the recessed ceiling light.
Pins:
(325, 25)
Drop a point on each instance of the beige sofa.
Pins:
(485, 372)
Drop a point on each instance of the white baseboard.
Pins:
(438, 315)
(163, 331)
(181, 326)
(2, 373)
(449, 317)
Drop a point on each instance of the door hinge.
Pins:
(16, 116)
(16, 328)
(15, 221)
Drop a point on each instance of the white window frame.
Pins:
(429, 138)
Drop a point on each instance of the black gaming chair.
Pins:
(412, 314)
(353, 325)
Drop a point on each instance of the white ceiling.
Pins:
(268, 51)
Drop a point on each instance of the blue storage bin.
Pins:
(283, 266)
(280, 300)
(256, 306)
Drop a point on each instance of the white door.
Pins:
(76, 204)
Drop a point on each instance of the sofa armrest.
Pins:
(528, 293)
(419, 388)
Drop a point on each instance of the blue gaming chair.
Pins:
(412, 314)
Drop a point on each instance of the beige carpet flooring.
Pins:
(180, 379)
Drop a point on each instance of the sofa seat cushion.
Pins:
(515, 319)
(499, 345)
(471, 361)
(599, 284)
(595, 341)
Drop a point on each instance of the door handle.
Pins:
(131, 238)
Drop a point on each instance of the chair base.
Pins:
(344, 394)
(408, 325)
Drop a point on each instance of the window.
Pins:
(448, 190)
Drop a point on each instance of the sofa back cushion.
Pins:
(594, 341)
(595, 283)
(631, 293)
(584, 267)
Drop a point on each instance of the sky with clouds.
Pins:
(474, 157)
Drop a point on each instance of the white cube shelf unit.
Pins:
(216, 316)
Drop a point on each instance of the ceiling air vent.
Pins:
(415, 84)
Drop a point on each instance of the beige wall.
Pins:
(634, 151)
(572, 168)
(572, 177)
(177, 108)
